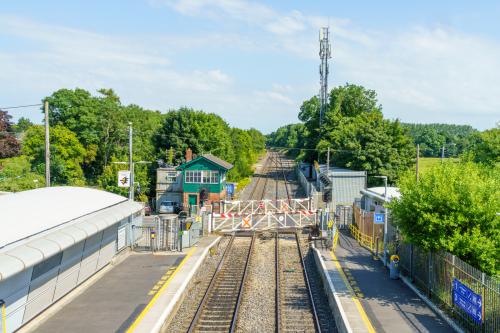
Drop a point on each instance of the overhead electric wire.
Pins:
(19, 106)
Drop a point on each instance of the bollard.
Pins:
(394, 267)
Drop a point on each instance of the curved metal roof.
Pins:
(24, 214)
(52, 227)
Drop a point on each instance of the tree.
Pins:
(353, 126)
(456, 139)
(22, 125)
(16, 175)
(453, 208)
(202, 132)
(67, 154)
(488, 147)
(9, 146)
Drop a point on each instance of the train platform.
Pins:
(366, 292)
(110, 301)
(161, 306)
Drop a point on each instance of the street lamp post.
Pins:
(385, 217)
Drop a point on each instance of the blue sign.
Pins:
(230, 188)
(378, 218)
(468, 300)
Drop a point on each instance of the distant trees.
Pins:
(9, 146)
(456, 139)
(487, 149)
(354, 128)
(209, 133)
(453, 207)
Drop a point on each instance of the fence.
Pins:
(167, 234)
(433, 274)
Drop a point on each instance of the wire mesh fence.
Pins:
(434, 273)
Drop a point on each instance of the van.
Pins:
(168, 207)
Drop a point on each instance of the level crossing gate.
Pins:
(246, 207)
(270, 220)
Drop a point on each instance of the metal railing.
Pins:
(433, 274)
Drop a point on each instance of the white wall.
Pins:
(30, 292)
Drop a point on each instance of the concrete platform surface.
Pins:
(162, 305)
(390, 305)
(113, 302)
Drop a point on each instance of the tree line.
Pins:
(89, 137)
(453, 206)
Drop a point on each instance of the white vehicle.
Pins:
(168, 207)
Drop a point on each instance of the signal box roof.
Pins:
(211, 158)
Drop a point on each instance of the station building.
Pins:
(197, 181)
(52, 239)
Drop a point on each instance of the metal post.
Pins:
(442, 154)
(47, 144)
(130, 163)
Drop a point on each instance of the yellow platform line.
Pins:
(357, 303)
(159, 293)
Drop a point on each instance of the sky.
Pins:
(255, 62)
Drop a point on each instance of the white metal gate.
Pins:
(266, 206)
(269, 220)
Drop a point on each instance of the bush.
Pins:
(453, 207)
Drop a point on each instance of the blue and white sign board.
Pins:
(468, 300)
(378, 218)
(230, 188)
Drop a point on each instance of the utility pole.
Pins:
(130, 163)
(416, 165)
(47, 144)
(325, 53)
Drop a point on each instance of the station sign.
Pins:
(467, 300)
(378, 218)
(230, 188)
(124, 178)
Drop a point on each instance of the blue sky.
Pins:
(254, 63)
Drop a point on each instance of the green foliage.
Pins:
(16, 175)
(353, 126)
(289, 136)
(453, 207)
(488, 147)
(22, 125)
(200, 131)
(432, 137)
(67, 154)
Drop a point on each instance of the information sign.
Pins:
(467, 300)
(378, 218)
(123, 178)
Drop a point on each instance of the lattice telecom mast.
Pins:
(325, 53)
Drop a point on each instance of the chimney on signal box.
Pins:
(189, 154)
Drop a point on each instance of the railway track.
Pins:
(259, 189)
(218, 310)
(295, 307)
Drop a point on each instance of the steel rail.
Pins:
(308, 286)
(259, 179)
(242, 286)
(210, 286)
(277, 289)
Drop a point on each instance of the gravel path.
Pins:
(257, 306)
(195, 291)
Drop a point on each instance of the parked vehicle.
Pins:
(170, 207)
